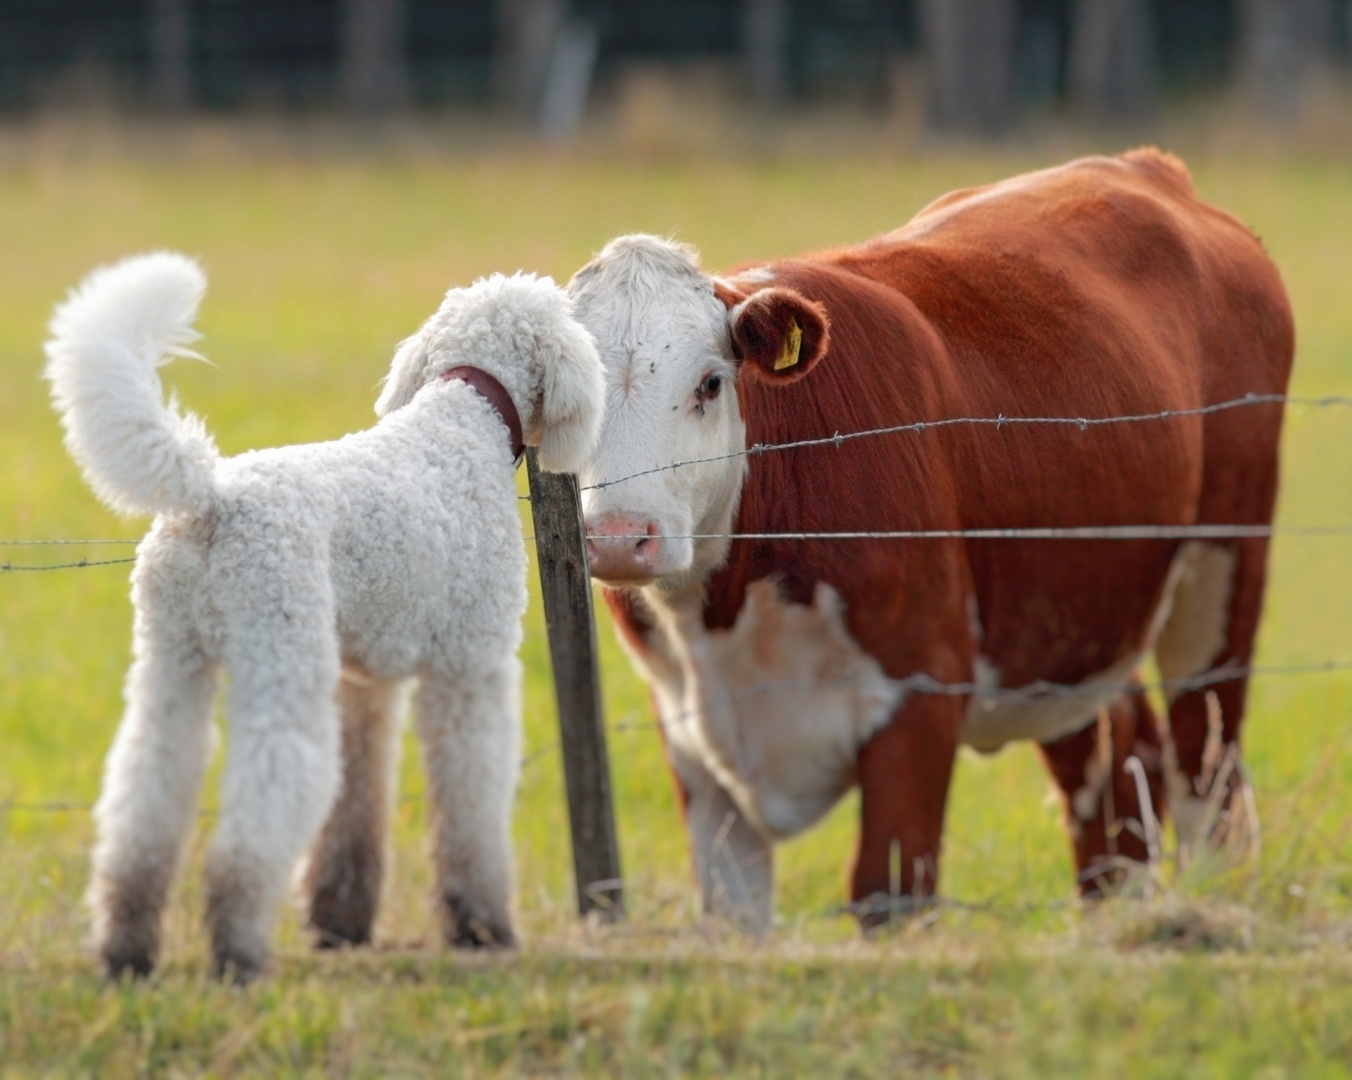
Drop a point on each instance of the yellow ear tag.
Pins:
(789, 356)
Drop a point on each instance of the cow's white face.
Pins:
(675, 344)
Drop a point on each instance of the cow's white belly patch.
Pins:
(991, 722)
(776, 708)
(1199, 618)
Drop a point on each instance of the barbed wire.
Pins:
(1030, 694)
(1083, 423)
(65, 543)
(10, 567)
(53, 806)
(919, 683)
(906, 905)
(28, 568)
(1072, 532)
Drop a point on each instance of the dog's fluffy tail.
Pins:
(140, 454)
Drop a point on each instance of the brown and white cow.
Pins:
(1100, 288)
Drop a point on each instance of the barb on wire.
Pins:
(1083, 423)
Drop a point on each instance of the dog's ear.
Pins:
(407, 372)
(573, 396)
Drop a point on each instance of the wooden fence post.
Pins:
(561, 549)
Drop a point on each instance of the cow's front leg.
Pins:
(734, 863)
(904, 773)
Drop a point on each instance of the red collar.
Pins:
(496, 395)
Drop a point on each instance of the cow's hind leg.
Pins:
(1212, 626)
(347, 865)
(1103, 814)
(151, 778)
(470, 729)
(904, 775)
(281, 775)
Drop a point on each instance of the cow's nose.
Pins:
(622, 548)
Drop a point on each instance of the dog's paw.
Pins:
(120, 963)
(239, 965)
(341, 915)
(467, 925)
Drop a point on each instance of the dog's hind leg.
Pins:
(153, 773)
(347, 865)
(470, 727)
(281, 773)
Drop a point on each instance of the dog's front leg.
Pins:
(347, 865)
(470, 727)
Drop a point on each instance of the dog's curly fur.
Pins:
(392, 553)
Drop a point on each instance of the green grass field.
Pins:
(319, 264)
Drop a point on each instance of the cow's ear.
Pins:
(780, 333)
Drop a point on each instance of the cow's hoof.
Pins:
(879, 910)
(334, 937)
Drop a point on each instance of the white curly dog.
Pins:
(319, 577)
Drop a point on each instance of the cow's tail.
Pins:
(140, 454)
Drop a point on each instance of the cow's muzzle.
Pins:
(621, 548)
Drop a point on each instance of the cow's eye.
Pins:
(708, 389)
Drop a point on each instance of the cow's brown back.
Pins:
(1101, 288)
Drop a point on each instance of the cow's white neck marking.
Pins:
(776, 709)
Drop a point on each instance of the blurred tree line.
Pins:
(986, 60)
